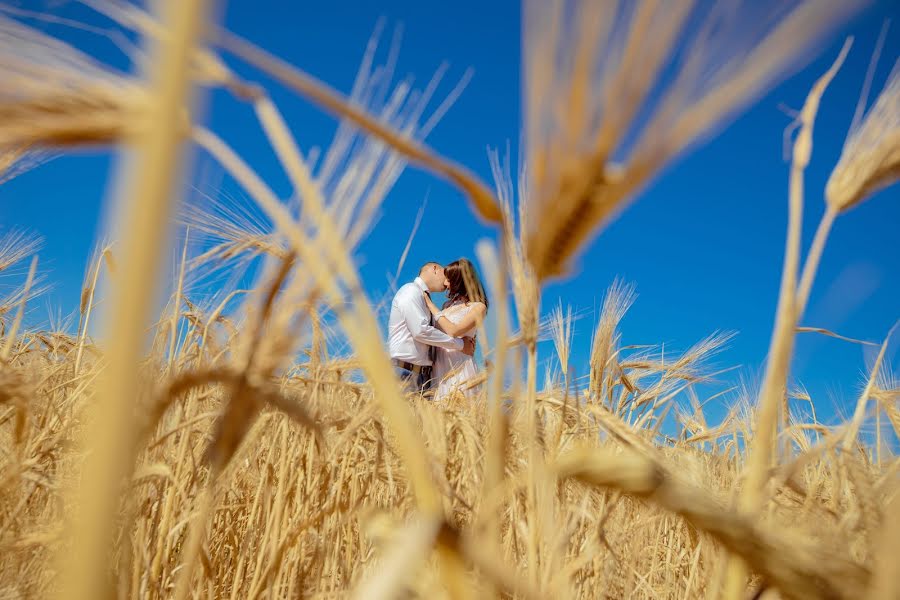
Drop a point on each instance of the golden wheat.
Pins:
(227, 452)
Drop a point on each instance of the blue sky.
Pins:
(703, 243)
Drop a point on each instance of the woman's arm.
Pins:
(473, 317)
(417, 321)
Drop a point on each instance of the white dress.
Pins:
(452, 368)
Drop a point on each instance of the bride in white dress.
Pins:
(461, 316)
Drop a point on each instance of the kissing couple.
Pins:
(433, 348)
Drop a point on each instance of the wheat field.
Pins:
(219, 447)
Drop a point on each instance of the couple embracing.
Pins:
(431, 348)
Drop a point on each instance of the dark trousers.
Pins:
(415, 382)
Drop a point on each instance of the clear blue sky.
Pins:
(703, 243)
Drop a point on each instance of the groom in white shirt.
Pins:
(412, 336)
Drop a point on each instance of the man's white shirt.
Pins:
(409, 328)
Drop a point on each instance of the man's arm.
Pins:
(417, 321)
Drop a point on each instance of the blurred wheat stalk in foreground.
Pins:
(238, 458)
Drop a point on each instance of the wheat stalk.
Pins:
(144, 221)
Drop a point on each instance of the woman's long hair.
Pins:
(465, 285)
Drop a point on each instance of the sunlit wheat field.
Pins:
(253, 441)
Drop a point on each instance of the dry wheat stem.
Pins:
(797, 572)
(811, 266)
(482, 200)
(786, 313)
(20, 312)
(144, 223)
(363, 334)
(86, 308)
(289, 154)
(835, 335)
(495, 456)
(176, 301)
(367, 341)
(860, 410)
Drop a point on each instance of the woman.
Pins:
(462, 314)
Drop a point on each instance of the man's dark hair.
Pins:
(427, 265)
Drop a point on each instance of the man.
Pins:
(412, 337)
